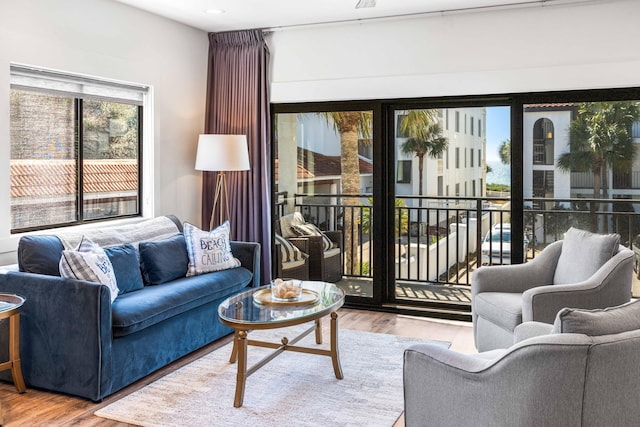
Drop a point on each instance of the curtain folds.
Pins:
(238, 103)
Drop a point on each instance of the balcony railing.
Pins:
(439, 240)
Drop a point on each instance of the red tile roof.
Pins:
(316, 165)
(323, 165)
(38, 178)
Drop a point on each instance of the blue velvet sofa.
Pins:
(74, 340)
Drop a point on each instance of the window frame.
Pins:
(60, 84)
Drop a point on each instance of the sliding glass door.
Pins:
(452, 200)
(324, 172)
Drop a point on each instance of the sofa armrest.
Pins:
(65, 327)
(249, 255)
(518, 277)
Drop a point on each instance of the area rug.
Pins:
(293, 389)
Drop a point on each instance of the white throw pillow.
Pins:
(90, 263)
(583, 253)
(208, 250)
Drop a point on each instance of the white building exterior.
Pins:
(461, 172)
(544, 143)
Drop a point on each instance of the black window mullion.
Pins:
(79, 161)
(139, 154)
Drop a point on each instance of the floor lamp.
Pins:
(222, 153)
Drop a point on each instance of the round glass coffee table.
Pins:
(254, 309)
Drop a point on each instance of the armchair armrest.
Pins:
(607, 287)
(65, 326)
(518, 277)
(335, 236)
(528, 330)
(249, 255)
(497, 387)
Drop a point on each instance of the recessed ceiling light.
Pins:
(214, 11)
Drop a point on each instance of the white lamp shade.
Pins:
(222, 153)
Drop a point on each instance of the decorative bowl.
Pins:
(286, 289)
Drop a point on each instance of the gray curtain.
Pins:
(238, 103)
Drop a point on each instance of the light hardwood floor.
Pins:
(41, 408)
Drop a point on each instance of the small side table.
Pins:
(10, 306)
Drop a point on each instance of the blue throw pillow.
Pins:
(40, 254)
(126, 267)
(163, 260)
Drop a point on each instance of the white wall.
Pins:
(107, 39)
(519, 50)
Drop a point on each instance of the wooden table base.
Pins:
(240, 344)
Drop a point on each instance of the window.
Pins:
(75, 148)
(479, 127)
(446, 120)
(465, 157)
(471, 124)
(457, 123)
(465, 124)
(404, 172)
(471, 157)
(457, 189)
(543, 141)
(457, 157)
(473, 187)
(479, 157)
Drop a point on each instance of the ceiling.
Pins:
(274, 14)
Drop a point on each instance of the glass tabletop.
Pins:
(10, 301)
(244, 309)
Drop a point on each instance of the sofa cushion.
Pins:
(583, 253)
(126, 267)
(40, 254)
(209, 250)
(500, 308)
(611, 320)
(135, 311)
(163, 260)
(89, 262)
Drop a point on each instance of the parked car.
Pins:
(496, 246)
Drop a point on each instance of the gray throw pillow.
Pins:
(612, 320)
(583, 253)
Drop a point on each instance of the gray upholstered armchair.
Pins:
(584, 371)
(584, 270)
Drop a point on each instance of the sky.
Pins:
(498, 129)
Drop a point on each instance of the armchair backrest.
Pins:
(598, 375)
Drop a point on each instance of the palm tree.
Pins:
(505, 152)
(351, 125)
(599, 137)
(425, 140)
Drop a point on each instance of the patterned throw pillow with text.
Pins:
(90, 263)
(208, 250)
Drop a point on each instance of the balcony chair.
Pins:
(584, 270)
(291, 258)
(583, 370)
(325, 255)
